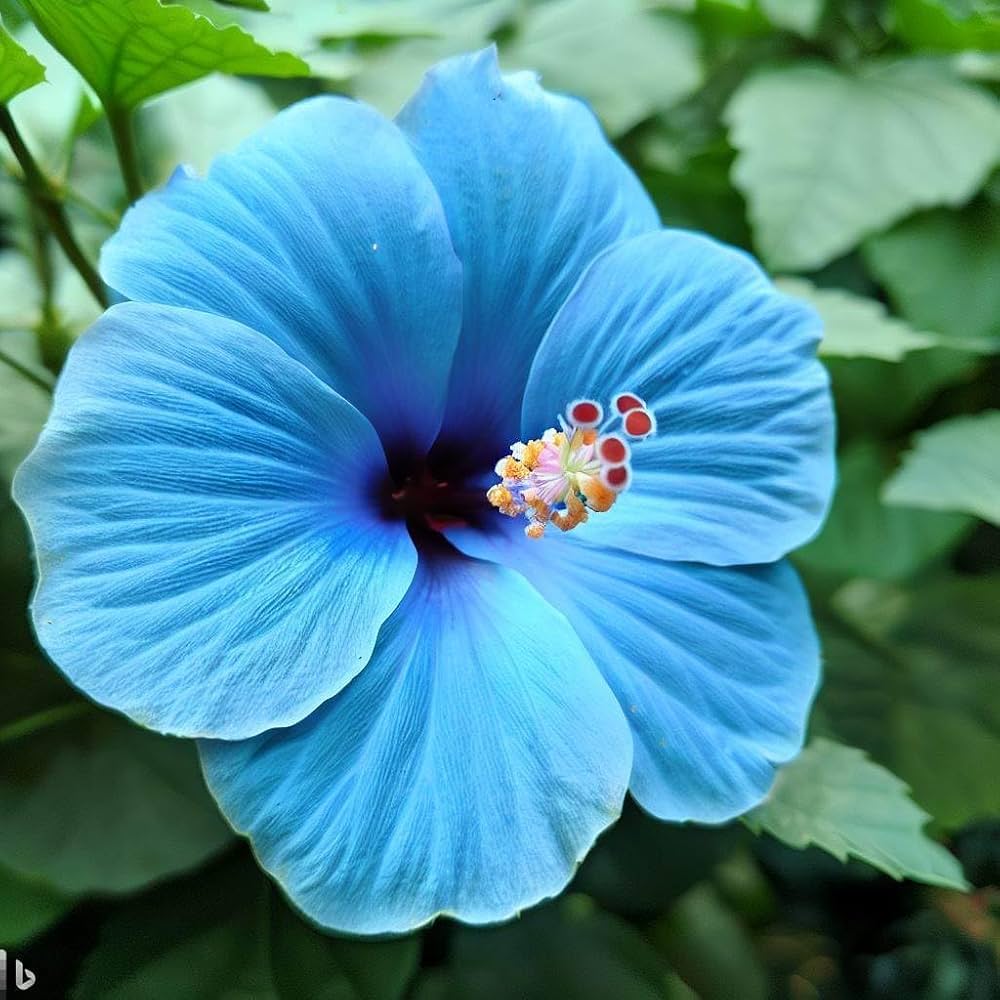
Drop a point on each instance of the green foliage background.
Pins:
(854, 146)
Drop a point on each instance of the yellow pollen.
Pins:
(503, 500)
(532, 451)
(599, 497)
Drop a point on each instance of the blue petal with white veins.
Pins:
(533, 191)
(211, 558)
(466, 771)
(715, 667)
(323, 232)
(741, 468)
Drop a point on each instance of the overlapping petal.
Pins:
(741, 469)
(465, 771)
(324, 233)
(715, 667)
(532, 191)
(211, 559)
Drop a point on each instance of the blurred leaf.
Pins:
(194, 124)
(863, 537)
(24, 405)
(834, 797)
(96, 805)
(854, 326)
(247, 4)
(883, 397)
(567, 948)
(628, 61)
(388, 75)
(931, 24)
(954, 466)
(913, 681)
(800, 16)
(710, 948)
(642, 863)
(19, 70)
(226, 935)
(27, 908)
(131, 50)
(940, 268)
(827, 156)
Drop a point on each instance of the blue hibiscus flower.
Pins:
(269, 504)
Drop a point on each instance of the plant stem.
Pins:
(26, 372)
(42, 720)
(47, 200)
(120, 121)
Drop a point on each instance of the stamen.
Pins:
(563, 476)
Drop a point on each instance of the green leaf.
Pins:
(196, 123)
(911, 678)
(626, 60)
(389, 74)
(954, 466)
(131, 50)
(800, 16)
(832, 796)
(863, 537)
(246, 4)
(19, 69)
(226, 934)
(940, 269)
(876, 397)
(565, 949)
(710, 947)
(93, 804)
(827, 156)
(28, 909)
(855, 326)
(930, 24)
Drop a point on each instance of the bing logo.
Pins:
(23, 979)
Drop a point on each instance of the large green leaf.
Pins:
(911, 678)
(832, 796)
(940, 269)
(855, 326)
(19, 69)
(131, 50)
(628, 61)
(932, 24)
(954, 466)
(800, 16)
(90, 803)
(565, 949)
(864, 537)
(225, 935)
(27, 908)
(827, 156)
(710, 947)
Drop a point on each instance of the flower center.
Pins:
(565, 474)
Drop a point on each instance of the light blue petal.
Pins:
(532, 191)
(210, 559)
(466, 771)
(715, 667)
(741, 470)
(324, 233)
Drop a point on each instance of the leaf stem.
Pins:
(120, 121)
(32, 376)
(45, 197)
(31, 724)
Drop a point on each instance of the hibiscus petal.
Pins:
(324, 233)
(466, 771)
(741, 469)
(715, 667)
(532, 191)
(211, 559)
